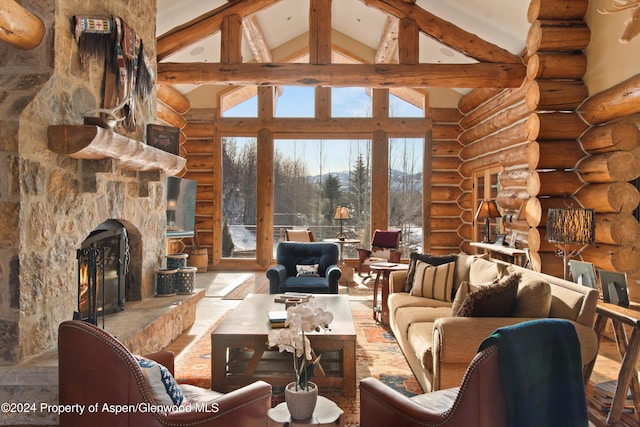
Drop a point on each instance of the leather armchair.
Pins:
(384, 248)
(478, 402)
(527, 375)
(283, 277)
(95, 368)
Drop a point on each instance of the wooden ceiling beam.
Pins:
(446, 32)
(320, 32)
(255, 37)
(388, 42)
(205, 25)
(346, 75)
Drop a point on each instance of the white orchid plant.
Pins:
(302, 319)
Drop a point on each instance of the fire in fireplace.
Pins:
(103, 262)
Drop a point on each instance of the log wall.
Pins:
(449, 199)
(559, 148)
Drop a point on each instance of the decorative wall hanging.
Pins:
(632, 24)
(127, 72)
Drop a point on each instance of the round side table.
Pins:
(327, 413)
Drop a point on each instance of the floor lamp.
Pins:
(487, 210)
(342, 215)
(570, 226)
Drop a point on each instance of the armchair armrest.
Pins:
(277, 275)
(163, 357)
(382, 405)
(333, 274)
(246, 406)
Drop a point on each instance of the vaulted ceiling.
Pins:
(363, 31)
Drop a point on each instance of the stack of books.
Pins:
(603, 396)
(277, 318)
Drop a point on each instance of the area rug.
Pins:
(377, 355)
(257, 283)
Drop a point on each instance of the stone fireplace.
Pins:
(49, 202)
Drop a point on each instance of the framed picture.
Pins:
(583, 273)
(166, 138)
(500, 239)
(614, 287)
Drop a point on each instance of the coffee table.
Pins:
(240, 355)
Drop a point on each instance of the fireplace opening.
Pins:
(103, 264)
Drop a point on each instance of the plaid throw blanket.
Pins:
(541, 372)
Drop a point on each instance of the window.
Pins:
(405, 191)
(311, 181)
(350, 102)
(239, 157)
(295, 101)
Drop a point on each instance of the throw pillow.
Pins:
(164, 388)
(493, 300)
(435, 282)
(307, 270)
(533, 299)
(483, 271)
(434, 260)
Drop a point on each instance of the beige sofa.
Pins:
(439, 347)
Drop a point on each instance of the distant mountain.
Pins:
(396, 179)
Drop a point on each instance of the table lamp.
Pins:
(487, 210)
(570, 226)
(342, 215)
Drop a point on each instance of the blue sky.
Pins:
(297, 101)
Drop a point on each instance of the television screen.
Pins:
(181, 207)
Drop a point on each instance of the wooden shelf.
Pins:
(92, 142)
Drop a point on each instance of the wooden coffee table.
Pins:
(240, 355)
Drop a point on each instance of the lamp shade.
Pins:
(342, 213)
(571, 226)
(488, 209)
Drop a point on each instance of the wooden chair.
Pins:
(384, 248)
(299, 235)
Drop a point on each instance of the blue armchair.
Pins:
(305, 267)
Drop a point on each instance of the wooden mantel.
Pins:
(92, 142)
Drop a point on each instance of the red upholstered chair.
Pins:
(384, 248)
(96, 368)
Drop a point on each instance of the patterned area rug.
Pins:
(377, 355)
(259, 284)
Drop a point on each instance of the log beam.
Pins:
(173, 98)
(620, 100)
(446, 32)
(205, 25)
(388, 45)
(345, 75)
(320, 32)
(19, 27)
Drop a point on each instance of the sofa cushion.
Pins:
(493, 300)
(429, 259)
(435, 282)
(164, 388)
(484, 271)
(533, 299)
